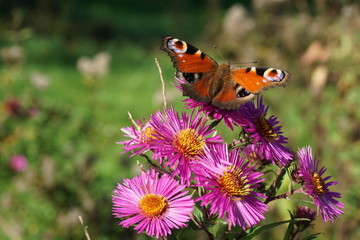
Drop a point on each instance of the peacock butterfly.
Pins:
(219, 85)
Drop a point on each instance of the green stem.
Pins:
(156, 167)
(214, 124)
(284, 195)
(211, 237)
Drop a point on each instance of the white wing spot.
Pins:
(272, 79)
(172, 46)
(276, 78)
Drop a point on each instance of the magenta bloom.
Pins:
(154, 204)
(254, 155)
(18, 163)
(229, 184)
(180, 140)
(304, 212)
(265, 131)
(316, 185)
(141, 138)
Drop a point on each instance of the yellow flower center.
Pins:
(233, 184)
(266, 130)
(318, 183)
(254, 158)
(147, 135)
(189, 143)
(153, 205)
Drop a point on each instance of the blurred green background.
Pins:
(71, 70)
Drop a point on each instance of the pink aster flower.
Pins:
(304, 212)
(254, 156)
(18, 163)
(141, 138)
(265, 131)
(181, 140)
(229, 183)
(316, 186)
(153, 204)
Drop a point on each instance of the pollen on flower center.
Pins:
(233, 184)
(147, 135)
(253, 156)
(266, 130)
(153, 205)
(189, 143)
(318, 183)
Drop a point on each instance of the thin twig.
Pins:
(140, 166)
(197, 222)
(284, 195)
(85, 228)
(238, 143)
(133, 121)
(162, 81)
(154, 166)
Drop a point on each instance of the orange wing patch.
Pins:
(256, 80)
(201, 88)
(187, 58)
(193, 63)
(226, 96)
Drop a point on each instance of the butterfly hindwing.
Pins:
(245, 83)
(232, 95)
(255, 79)
(198, 89)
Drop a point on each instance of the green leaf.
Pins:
(301, 219)
(218, 229)
(173, 236)
(198, 214)
(312, 236)
(260, 229)
(289, 231)
(274, 189)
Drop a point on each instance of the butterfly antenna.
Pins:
(244, 63)
(218, 51)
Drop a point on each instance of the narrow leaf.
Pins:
(260, 229)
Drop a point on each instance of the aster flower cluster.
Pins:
(196, 178)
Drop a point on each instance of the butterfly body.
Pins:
(219, 85)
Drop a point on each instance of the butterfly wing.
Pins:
(255, 79)
(193, 65)
(231, 95)
(187, 58)
(245, 83)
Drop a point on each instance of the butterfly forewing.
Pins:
(187, 58)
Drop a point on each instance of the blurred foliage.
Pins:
(66, 123)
